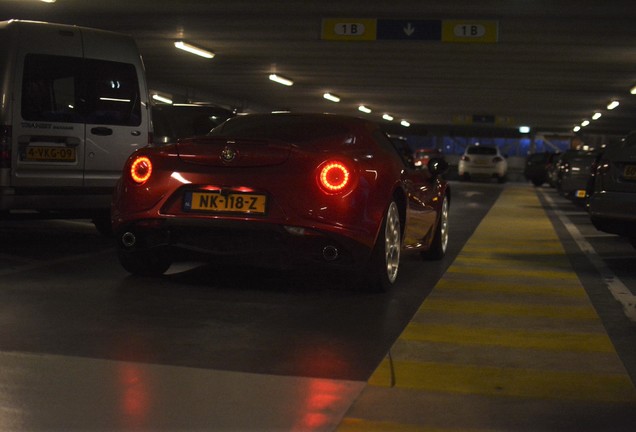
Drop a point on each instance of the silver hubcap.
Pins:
(392, 242)
(444, 224)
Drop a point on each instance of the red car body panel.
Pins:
(286, 173)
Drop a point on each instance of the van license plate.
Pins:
(50, 154)
(232, 203)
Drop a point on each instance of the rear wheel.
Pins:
(440, 240)
(385, 258)
(145, 263)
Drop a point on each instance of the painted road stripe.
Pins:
(526, 339)
(454, 285)
(501, 381)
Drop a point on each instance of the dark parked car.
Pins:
(422, 156)
(173, 122)
(537, 166)
(283, 190)
(612, 203)
(574, 173)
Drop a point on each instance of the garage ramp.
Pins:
(507, 341)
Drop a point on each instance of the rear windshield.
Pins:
(293, 129)
(482, 150)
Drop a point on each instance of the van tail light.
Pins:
(140, 169)
(465, 158)
(334, 177)
(5, 146)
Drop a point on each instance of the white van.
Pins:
(74, 106)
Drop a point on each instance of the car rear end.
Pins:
(575, 174)
(269, 201)
(482, 161)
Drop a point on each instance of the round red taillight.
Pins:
(334, 176)
(141, 169)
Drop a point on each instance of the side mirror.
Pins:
(437, 166)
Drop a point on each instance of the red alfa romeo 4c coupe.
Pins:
(282, 190)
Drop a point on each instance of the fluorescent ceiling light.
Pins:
(612, 105)
(48, 1)
(576, 128)
(633, 90)
(114, 99)
(331, 97)
(585, 123)
(596, 116)
(162, 99)
(281, 80)
(364, 109)
(524, 129)
(405, 123)
(193, 50)
(387, 117)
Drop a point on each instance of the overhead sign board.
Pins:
(468, 31)
(370, 29)
(349, 29)
(409, 29)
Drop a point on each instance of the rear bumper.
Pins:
(614, 212)
(257, 243)
(66, 199)
(482, 171)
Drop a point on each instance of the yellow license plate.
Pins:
(232, 203)
(629, 172)
(54, 154)
(580, 193)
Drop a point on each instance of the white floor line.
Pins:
(618, 289)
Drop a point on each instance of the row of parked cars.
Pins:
(603, 180)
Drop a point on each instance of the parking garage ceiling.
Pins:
(545, 64)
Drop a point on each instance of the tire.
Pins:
(145, 263)
(385, 258)
(439, 244)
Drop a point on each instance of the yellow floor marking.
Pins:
(525, 339)
(501, 381)
(545, 288)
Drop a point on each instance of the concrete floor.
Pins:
(508, 340)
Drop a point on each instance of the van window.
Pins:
(73, 90)
(112, 93)
(50, 88)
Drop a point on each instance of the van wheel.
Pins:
(383, 266)
(153, 262)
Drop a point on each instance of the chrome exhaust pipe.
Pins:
(128, 239)
(330, 253)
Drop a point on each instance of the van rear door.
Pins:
(48, 136)
(116, 105)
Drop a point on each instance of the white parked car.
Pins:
(483, 161)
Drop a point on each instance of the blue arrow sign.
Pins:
(409, 29)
